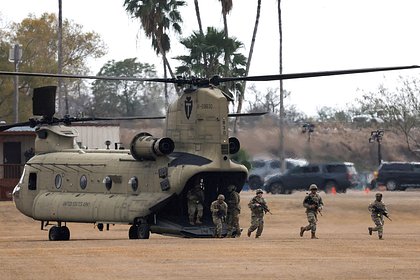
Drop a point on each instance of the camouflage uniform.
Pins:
(258, 208)
(377, 209)
(233, 210)
(218, 210)
(313, 204)
(195, 198)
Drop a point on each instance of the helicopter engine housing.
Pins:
(146, 147)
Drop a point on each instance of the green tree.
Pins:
(399, 108)
(38, 37)
(157, 17)
(207, 52)
(126, 98)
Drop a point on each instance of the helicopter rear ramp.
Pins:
(183, 229)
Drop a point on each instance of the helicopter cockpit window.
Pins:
(32, 181)
(58, 181)
(134, 183)
(83, 182)
(108, 182)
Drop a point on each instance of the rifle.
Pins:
(264, 207)
(221, 214)
(311, 202)
(381, 211)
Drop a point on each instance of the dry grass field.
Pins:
(344, 250)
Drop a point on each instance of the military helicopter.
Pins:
(144, 186)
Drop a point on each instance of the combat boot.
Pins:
(313, 236)
(191, 221)
(380, 236)
(370, 230)
(198, 222)
(302, 230)
(249, 233)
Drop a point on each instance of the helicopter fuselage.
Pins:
(140, 186)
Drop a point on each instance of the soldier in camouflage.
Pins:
(195, 197)
(233, 210)
(218, 210)
(258, 208)
(313, 204)
(378, 210)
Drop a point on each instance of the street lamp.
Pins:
(15, 56)
(376, 136)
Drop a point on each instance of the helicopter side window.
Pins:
(134, 183)
(58, 181)
(32, 181)
(83, 182)
(108, 182)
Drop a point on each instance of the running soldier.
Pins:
(233, 210)
(258, 208)
(195, 202)
(218, 210)
(313, 204)
(378, 210)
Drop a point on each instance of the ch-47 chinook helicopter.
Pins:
(144, 186)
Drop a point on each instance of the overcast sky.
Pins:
(317, 35)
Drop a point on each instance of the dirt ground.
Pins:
(344, 250)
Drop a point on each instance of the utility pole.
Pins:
(376, 136)
(15, 56)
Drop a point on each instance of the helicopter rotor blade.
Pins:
(6, 127)
(311, 74)
(216, 80)
(235, 115)
(89, 119)
(89, 77)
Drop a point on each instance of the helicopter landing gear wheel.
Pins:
(139, 231)
(57, 233)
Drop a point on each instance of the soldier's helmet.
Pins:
(313, 187)
(231, 188)
(378, 195)
(220, 197)
(259, 191)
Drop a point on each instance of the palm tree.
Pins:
(206, 55)
(197, 12)
(157, 17)
(226, 8)
(248, 65)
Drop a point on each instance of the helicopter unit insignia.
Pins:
(188, 105)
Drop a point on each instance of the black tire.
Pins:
(391, 185)
(255, 183)
(54, 234)
(144, 231)
(140, 231)
(65, 233)
(277, 188)
(133, 232)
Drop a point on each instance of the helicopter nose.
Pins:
(16, 192)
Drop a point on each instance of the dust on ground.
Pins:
(344, 249)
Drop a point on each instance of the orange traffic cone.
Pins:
(367, 190)
(333, 191)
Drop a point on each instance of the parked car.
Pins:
(262, 168)
(397, 175)
(326, 176)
